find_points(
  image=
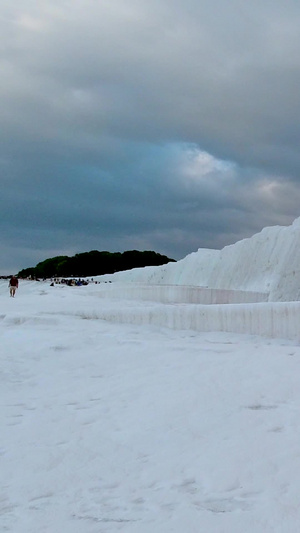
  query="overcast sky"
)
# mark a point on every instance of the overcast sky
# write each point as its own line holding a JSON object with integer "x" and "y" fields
{"x": 166, "y": 125}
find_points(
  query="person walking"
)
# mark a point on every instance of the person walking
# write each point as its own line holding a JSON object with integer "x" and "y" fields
{"x": 13, "y": 285}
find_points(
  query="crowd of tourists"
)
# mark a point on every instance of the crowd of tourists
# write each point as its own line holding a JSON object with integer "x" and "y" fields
{"x": 71, "y": 282}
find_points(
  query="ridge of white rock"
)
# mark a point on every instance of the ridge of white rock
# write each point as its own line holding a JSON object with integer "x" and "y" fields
{"x": 268, "y": 261}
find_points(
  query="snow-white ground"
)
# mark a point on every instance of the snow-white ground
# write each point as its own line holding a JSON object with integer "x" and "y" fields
{"x": 110, "y": 427}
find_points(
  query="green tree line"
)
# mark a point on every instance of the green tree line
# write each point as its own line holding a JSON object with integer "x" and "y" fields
{"x": 93, "y": 263}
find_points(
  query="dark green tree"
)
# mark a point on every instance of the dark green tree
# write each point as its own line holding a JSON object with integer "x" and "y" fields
{"x": 93, "y": 263}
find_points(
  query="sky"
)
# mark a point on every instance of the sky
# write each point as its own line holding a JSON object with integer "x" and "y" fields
{"x": 167, "y": 125}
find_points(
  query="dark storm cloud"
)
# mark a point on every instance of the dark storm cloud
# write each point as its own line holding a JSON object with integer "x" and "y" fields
{"x": 167, "y": 125}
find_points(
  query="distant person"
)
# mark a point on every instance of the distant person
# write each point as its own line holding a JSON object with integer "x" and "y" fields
{"x": 13, "y": 285}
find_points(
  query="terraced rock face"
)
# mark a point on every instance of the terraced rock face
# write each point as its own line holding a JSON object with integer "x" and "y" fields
{"x": 267, "y": 262}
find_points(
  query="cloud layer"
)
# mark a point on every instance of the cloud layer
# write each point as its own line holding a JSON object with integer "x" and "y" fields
{"x": 167, "y": 125}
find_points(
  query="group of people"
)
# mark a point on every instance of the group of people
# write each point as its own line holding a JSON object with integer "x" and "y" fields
{"x": 68, "y": 281}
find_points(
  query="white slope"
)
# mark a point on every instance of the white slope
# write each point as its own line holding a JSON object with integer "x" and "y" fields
{"x": 138, "y": 429}
{"x": 267, "y": 262}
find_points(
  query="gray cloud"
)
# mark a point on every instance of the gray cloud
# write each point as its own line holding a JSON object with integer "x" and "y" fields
{"x": 163, "y": 125}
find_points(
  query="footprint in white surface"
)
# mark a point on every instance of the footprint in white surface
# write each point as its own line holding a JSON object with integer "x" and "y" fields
{"x": 14, "y": 420}
{"x": 15, "y": 413}
{"x": 188, "y": 485}
{"x": 138, "y": 501}
{"x": 242, "y": 501}
{"x": 6, "y": 506}
{"x": 59, "y": 348}
{"x": 40, "y": 501}
{"x": 42, "y": 496}
{"x": 260, "y": 407}
{"x": 223, "y": 505}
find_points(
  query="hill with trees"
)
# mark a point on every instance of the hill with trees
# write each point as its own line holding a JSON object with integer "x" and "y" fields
{"x": 93, "y": 263}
